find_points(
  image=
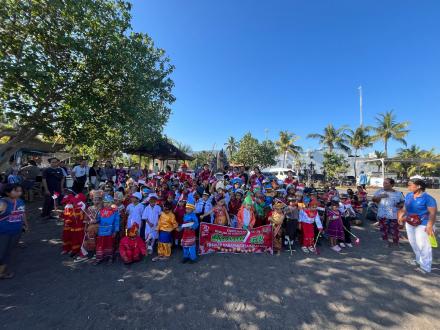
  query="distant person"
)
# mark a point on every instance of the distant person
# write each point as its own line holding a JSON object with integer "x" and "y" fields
{"x": 419, "y": 213}
{"x": 79, "y": 175}
{"x": 363, "y": 179}
{"x": 135, "y": 173}
{"x": 30, "y": 173}
{"x": 94, "y": 174}
{"x": 121, "y": 175}
{"x": 388, "y": 202}
{"x": 108, "y": 172}
{"x": 53, "y": 182}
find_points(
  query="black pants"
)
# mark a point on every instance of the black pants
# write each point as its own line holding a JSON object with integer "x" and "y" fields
{"x": 142, "y": 230}
{"x": 7, "y": 244}
{"x": 78, "y": 184}
{"x": 48, "y": 204}
{"x": 292, "y": 229}
{"x": 347, "y": 225}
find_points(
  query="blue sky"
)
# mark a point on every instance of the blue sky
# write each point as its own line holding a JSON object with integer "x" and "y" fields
{"x": 244, "y": 65}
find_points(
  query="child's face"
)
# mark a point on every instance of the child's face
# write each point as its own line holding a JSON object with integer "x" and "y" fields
{"x": 97, "y": 201}
{"x": 334, "y": 207}
{"x": 167, "y": 211}
{"x": 205, "y": 197}
{"x": 238, "y": 197}
{"x": 152, "y": 202}
{"x": 107, "y": 204}
{"x": 248, "y": 206}
{"x": 221, "y": 202}
{"x": 134, "y": 200}
{"x": 16, "y": 193}
{"x": 170, "y": 198}
{"x": 187, "y": 210}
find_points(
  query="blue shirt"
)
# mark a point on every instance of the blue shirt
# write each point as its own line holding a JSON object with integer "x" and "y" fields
{"x": 108, "y": 222}
{"x": 11, "y": 220}
{"x": 363, "y": 179}
{"x": 419, "y": 206}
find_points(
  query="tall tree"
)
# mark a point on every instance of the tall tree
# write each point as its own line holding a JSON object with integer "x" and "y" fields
{"x": 334, "y": 165}
{"x": 286, "y": 145}
{"x": 253, "y": 153}
{"x": 76, "y": 69}
{"x": 332, "y": 138}
{"x": 359, "y": 139}
{"x": 231, "y": 146}
{"x": 388, "y": 128}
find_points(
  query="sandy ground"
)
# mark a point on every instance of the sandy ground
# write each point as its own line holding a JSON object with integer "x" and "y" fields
{"x": 367, "y": 287}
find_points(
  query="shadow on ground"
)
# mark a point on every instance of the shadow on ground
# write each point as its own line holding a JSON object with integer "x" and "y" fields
{"x": 369, "y": 286}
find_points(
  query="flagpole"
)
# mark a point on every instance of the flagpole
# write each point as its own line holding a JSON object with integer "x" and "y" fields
{"x": 360, "y": 106}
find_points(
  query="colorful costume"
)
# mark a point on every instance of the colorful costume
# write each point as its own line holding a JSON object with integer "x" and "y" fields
{"x": 307, "y": 218}
{"x": 246, "y": 216}
{"x": 132, "y": 248}
{"x": 276, "y": 218}
{"x": 189, "y": 233}
{"x": 108, "y": 219}
{"x": 73, "y": 216}
{"x": 220, "y": 215}
{"x": 167, "y": 224}
{"x": 335, "y": 228}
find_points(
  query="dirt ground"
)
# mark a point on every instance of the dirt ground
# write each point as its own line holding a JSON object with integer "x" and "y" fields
{"x": 367, "y": 287}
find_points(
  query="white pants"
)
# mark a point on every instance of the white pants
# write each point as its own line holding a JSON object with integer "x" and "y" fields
{"x": 421, "y": 246}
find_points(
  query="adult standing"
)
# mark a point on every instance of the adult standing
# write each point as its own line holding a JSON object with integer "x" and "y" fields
{"x": 121, "y": 176}
{"x": 420, "y": 209}
{"x": 363, "y": 179}
{"x": 135, "y": 173}
{"x": 388, "y": 202}
{"x": 30, "y": 173}
{"x": 94, "y": 175}
{"x": 53, "y": 182}
{"x": 79, "y": 175}
{"x": 109, "y": 172}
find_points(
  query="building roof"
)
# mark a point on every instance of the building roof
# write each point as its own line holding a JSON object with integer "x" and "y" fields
{"x": 162, "y": 150}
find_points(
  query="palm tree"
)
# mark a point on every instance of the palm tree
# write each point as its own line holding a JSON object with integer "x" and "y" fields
{"x": 231, "y": 146}
{"x": 333, "y": 138}
{"x": 379, "y": 154}
{"x": 389, "y": 129}
{"x": 286, "y": 145}
{"x": 359, "y": 139}
{"x": 412, "y": 152}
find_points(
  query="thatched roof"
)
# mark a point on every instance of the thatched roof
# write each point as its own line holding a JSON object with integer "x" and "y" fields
{"x": 162, "y": 150}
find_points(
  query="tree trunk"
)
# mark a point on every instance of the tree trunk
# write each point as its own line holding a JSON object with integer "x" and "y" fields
{"x": 354, "y": 165}
{"x": 284, "y": 159}
{"x": 386, "y": 148}
{"x": 18, "y": 141}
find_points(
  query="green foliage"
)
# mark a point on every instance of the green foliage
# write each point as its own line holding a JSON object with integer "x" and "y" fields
{"x": 335, "y": 165}
{"x": 200, "y": 158}
{"x": 76, "y": 69}
{"x": 389, "y": 129}
{"x": 231, "y": 146}
{"x": 286, "y": 144}
{"x": 253, "y": 153}
{"x": 408, "y": 169}
{"x": 332, "y": 138}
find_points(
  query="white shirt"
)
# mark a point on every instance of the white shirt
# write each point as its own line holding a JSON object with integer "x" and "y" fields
{"x": 134, "y": 214}
{"x": 246, "y": 217}
{"x": 303, "y": 217}
{"x": 152, "y": 215}
{"x": 80, "y": 171}
{"x": 387, "y": 207}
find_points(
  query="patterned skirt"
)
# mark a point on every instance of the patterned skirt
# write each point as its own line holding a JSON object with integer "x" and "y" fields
{"x": 104, "y": 247}
{"x": 335, "y": 229}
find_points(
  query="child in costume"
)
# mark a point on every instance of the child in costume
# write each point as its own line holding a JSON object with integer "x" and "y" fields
{"x": 108, "y": 219}
{"x": 179, "y": 212}
{"x": 246, "y": 216}
{"x": 189, "y": 232}
{"x": 335, "y": 229}
{"x": 292, "y": 214}
{"x": 135, "y": 210}
{"x": 307, "y": 218}
{"x": 203, "y": 206}
{"x": 73, "y": 216}
{"x": 348, "y": 214}
{"x": 221, "y": 215}
{"x": 276, "y": 218}
{"x": 132, "y": 248}
{"x": 91, "y": 229}
{"x": 150, "y": 218}
{"x": 167, "y": 224}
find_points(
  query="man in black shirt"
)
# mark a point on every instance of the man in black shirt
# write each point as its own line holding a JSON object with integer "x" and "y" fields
{"x": 53, "y": 182}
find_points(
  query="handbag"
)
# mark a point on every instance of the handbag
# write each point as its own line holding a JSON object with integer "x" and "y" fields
{"x": 413, "y": 219}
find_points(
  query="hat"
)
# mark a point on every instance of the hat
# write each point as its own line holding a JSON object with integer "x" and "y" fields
{"x": 239, "y": 191}
{"x": 279, "y": 204}
{"x": 229, "y": 187}
{"x": 152, "y": 195}
{"x": 133, "y": 230}
{"x": 97, "y": 194}
{"x": 137, "y": 195}
{"x": 108, "y": 199}
{"x": 220, "y": 185}
{"x": 190, "y": 204}
{"x": 81, "y": 198}
{"x": 313, "y": 202}
{"x": 205, "y": 193}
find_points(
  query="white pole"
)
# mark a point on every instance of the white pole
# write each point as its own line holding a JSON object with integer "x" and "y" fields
{"x": 360, "y": 105}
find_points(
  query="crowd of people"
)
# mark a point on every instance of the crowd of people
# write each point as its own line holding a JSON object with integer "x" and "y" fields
{"x": 111, "y": 213}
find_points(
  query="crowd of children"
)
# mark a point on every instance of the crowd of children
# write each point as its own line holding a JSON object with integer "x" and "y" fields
{"x": 151, "y": 215}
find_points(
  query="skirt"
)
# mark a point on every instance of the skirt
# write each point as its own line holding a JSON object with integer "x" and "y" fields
{"x": 335, "y": 229}
{"x": 104, "y": 247}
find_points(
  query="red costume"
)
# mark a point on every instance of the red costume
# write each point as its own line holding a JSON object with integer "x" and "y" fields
{"x": 132, "y": 248}
{"x": 73, "y": 216}
{"x": 234, "y": 206}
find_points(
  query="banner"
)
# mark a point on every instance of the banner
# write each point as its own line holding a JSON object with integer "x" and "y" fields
{"x": 215, "y": 238}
